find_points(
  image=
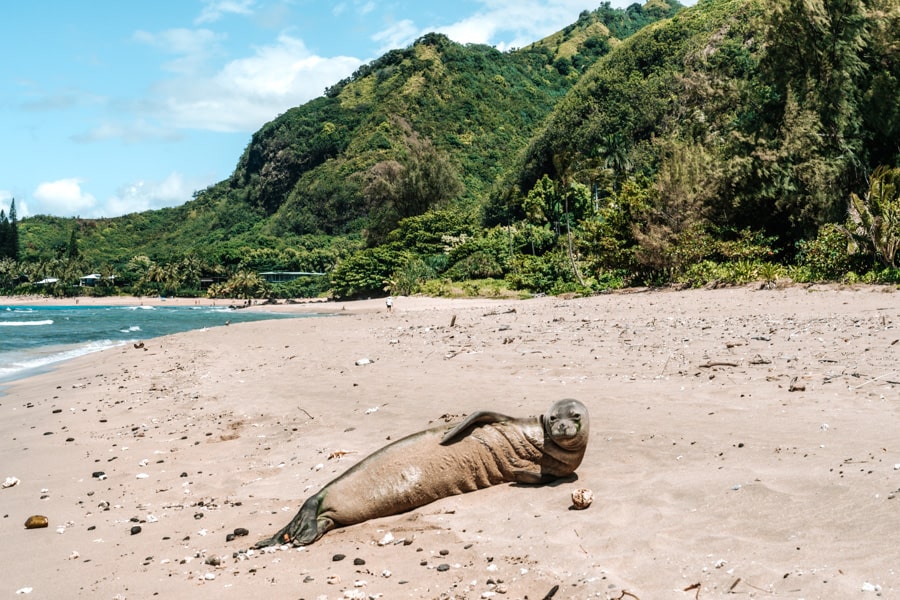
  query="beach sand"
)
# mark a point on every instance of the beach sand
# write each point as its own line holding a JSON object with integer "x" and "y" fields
{"x": 744, "y": 443}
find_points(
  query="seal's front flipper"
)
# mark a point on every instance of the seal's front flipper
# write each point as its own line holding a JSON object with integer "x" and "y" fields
{"x": 482, "y": 417}
{"x": 532, "y": 477}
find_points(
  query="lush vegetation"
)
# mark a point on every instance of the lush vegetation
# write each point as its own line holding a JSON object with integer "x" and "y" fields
{"x": 9, "y": 233}
{"x": 734, "y": 141}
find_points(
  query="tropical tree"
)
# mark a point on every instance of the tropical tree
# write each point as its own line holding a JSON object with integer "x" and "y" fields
{"x": 9, "y": 233}
{"x": 876, "y": 216}
{"x": 397, "y": 189}
{"x": 613, "y": 154}
{"x": 243, "y": 284}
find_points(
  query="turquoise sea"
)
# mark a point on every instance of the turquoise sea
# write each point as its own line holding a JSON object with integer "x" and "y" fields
{"x": 34, "y": 338}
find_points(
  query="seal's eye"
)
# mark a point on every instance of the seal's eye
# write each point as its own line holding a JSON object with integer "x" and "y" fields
{"x": 553, "y": 418}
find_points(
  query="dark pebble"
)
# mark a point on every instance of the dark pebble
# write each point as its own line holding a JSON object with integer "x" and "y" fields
{"x": 92, "y": 527}
{"x": 229, "y": 537}
{"x": 443, "y": 567}
{"x": 423, "y": 563}
{"x": 358, "y": 562}
{"x": 241, "y": 532}
{"x": 308, "y": 579}
{"x": 70, "y": 439}
{"x": 135, "y": 530}
{"x": 444, "y": 552}
{"x": 198, "y": 516}
{"x": 338, "y": 557}
{"x": 97, "y": 474}
{"x": 183, "y": 475}
{"x": 56, "y": 411}
{"x": 48, "y": 433}
{"x": 467, "y": 546}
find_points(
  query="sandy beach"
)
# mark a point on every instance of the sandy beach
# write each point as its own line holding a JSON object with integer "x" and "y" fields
{"x": 744, "y": 443}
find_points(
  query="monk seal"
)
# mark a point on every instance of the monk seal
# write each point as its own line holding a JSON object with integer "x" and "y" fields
{"x": 485, "y": 449}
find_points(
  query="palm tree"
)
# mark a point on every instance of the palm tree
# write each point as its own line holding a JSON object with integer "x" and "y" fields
{"x": 613, "y": 152}
{"x": 877, "y": 216}
{"x": 192, "y": 267}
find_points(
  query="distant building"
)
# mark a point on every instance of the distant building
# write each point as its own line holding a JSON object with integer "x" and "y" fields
{"x": 93, "y": 279}
{"x": 285, "y": 276}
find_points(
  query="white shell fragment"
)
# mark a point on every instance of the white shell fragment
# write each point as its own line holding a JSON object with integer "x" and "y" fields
{"x": 582, "y": 498}
{"x": 387, "y": 539}
{"x": 10, "y": 481}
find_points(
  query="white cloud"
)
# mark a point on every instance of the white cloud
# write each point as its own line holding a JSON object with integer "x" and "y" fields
{"x": 213, "y": 10}
{"x": 130, "y": 133}
{"x": 6, "y": 198}
{"x": 66, "y": 198}
{"x": 399, "y": 35}
{"x": 63, "y": 197}
{"x": 361, "y": 7}
{"x": 193, "y": 47}
{"x": 248, "y": 92}
{"x": 502, "y": 23}
{"x": 140, "y": 196}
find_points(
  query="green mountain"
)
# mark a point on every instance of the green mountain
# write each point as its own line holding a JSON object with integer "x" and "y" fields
{"x": 739, "y": 114}
{"x": 305, "y": 173}
{"x": 655, "y": 144}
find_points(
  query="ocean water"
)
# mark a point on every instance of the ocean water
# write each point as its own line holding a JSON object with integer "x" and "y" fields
{"x": 35, "y": 338}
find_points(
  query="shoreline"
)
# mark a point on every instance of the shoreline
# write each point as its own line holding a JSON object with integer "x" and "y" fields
{"x": 725, "y": 452}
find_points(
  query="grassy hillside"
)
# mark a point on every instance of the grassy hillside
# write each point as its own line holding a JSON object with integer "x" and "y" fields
{"x": 305, "y": 173}
{"x": 734, "y": 120}
{"x": 732, "y": 141}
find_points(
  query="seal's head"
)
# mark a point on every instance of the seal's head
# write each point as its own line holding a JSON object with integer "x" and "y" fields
{"x": 567, "y": 423}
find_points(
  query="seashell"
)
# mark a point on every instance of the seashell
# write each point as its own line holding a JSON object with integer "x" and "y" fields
{"x": 36, "y": 522}
{"x": 10, "y": 481}
{"x": 582, "y": 498}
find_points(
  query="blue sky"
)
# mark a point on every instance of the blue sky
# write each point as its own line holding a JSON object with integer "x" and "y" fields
{"x": 110, "y": 107}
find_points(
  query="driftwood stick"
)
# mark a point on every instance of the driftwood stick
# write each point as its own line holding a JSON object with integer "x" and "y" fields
{"x": 717, "y": 364}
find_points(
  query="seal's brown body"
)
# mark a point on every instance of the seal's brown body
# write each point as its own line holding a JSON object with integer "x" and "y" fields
{"x": 485, "y": 450}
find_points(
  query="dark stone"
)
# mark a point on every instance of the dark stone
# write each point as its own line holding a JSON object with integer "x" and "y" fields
{"x": 97, "y": 474}
{"x": 229, "y": 537}
{"x": 444, "y": 552}
{"x": 338, "y": 557}
{"x": 358, "y": 562}
{"x": 241, "y": 532}
{"x": 443, "y": 567}
{"x": 135, "y": 530}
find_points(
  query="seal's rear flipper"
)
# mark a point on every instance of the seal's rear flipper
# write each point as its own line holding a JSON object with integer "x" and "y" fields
{"x": 305, "y": 528}
{"x": 482, "y": 417}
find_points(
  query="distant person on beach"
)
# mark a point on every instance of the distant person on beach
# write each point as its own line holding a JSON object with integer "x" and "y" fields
{"x": 390, "y": 303}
